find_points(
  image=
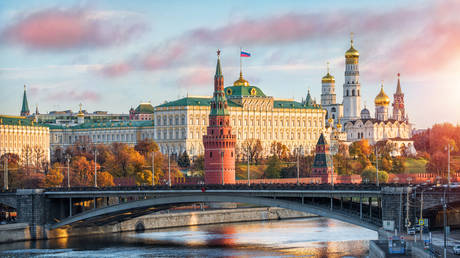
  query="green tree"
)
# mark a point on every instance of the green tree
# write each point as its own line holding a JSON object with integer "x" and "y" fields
{"x": 273, "y": 167}
{"x": 369, "y": 174}
{"x": 184, "y": 160}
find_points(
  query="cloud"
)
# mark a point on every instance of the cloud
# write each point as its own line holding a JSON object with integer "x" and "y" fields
{"x": 115, "y": 70}
{"x": 61, "y": 29}
{"x": 197, "y": 77}
{"x": 73, "y": 95}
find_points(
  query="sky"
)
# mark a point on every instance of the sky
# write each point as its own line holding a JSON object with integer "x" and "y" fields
{"x": 112, "y": 55}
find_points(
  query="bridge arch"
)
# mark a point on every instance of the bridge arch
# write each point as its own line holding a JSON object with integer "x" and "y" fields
{"x": 207, "y": 197}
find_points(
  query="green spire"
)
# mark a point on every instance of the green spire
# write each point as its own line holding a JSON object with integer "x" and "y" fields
{"x": 25, "y": 106}
{"x": 218, "y": 68}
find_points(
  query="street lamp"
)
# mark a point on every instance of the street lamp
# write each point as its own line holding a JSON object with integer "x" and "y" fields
{"x": 222, "y": 158}
{"x": 68, "y": 156}
{"x": 448, "y": 148}
{"x": 95, "y": 167}
{"x": 169, "y": 168}
{"x": 153, "y": 168}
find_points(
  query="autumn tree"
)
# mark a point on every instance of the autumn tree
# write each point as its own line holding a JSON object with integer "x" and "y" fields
{"x": 144, "y": 177}
{"x": 54, "y": 177}
{"x": 252, "y": 150}
{"x": 124, "y": 161}
{"x": 280, "y": 150}
{"x": 104, "y": 178}
{"x": 369, "y": 174}
{"x": 82, "y": 172}
{"x": 146, "y": 147}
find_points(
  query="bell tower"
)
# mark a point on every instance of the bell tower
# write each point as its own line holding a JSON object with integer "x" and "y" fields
{"x": 398, "y": 104}
{"x": 219, "y": 142}
{"x": 352, "y": 86}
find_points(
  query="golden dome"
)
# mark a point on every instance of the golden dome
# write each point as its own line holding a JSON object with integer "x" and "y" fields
{"x": 382, "y": 99}
{"x": 328, "y": 78}
{"x": 338, "y": 125}
{"x": 330, "y": 120}
{"x": 352, "y": 52}
{"x": 80, "y": 113}
{"x": 241, "y": 81}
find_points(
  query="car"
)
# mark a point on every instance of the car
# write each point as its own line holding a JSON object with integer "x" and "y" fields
{"x": 456, "y": 249}
{"x": 411, "y": 231}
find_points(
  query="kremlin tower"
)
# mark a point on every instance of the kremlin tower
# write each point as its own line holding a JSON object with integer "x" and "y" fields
{"x": 219, "y": 142}
{"x": 328, "y": 95}
{"x": 322, "y": 166}
{"x": 398, "y": 104}
{"x": 352, "y": 86}
{"x": 25, "y": 105}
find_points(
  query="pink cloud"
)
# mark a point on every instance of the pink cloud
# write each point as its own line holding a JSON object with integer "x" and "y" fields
{"x": 199, "y": 77}
{"x": 115, "y": 70}
{"x": 74, "y": 95}
{"x": 60, "y": 29}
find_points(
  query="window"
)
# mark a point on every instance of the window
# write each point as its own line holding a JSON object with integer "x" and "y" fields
{"x": 347, "y": 93}
{"x": 210, "y": 154}
{"x": 333, "y": 109}
{"x": 353, "y": 92}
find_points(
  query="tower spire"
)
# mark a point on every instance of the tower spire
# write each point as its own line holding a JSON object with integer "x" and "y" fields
{"x": 25, "y": 105}
{"x": 398, "y": 87}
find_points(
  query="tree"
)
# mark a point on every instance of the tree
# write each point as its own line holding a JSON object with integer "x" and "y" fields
{"x": 198, "y": 163}
{"x": 144, "y": 177}
{"x": 273, "y": 167}
{"x": 369, "y": 174}
{"x": 280, "y": 150}
{"x": 124, "y": 161}
{"x": 360, "y": 149}
{"x": 104, "y": 179}
{"x": 184, "y": 160}
{"x": 253, "y": 148}
{"x": 82, "y": 172}
{"x": 146, "y": 146}
{"x": 54, "y": 177}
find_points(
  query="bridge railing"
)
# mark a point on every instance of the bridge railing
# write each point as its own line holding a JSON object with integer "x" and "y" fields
{"x": 361, "y": 187}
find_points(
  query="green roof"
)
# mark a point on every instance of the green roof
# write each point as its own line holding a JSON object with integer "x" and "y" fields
{"x": 238, "y": 91}
{"x": 144, "y": 123}
{"x": 16, "y": 120}
{"x": 193, "y": 101}
{"x": 293, "y": 104}
{"x": 144, "y": 108}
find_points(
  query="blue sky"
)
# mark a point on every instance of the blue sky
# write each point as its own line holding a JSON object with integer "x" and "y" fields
{"x": 111, "y": 55}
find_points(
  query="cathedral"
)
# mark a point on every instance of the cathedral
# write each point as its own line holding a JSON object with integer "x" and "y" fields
{"x": 359, "y": 124}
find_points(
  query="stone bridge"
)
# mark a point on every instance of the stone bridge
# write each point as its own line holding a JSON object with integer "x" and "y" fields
{"x": 364, "y": 205}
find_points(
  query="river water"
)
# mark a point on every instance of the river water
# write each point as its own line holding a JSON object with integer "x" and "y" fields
{"x": 312, "y": 237}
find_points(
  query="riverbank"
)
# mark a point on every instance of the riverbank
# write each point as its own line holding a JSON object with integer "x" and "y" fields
{"x": 22, "y": 231}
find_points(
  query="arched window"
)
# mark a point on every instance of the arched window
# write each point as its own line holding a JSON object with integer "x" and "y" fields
{"x": 358, "y": 92}
{"x": 353, "y": 92}
{"x": 210, "y": 154}
{"x": 333, "y": 109}
{"x": 348, "y": 93}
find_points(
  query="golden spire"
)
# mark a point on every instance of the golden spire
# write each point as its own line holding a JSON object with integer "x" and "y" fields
{"x": 80, "y": 113}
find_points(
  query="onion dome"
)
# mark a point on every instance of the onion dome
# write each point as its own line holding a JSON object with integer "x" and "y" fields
{"x": 328, "y": 78}
{"x": 382, "y": 99}
{"x": 338, "y": 125}
{"x": 241, "y": 81}
{"x": 330, "y": 120}
{"x": 352, "y": 52}
{"x": 365, "y": 114}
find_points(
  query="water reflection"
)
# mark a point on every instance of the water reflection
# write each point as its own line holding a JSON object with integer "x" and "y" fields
{"x": 317, "y": 237}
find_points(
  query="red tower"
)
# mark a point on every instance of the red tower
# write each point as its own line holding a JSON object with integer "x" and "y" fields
{"x": 398, "y": 104}
{"x": 322, "y": 166}
{"x": 219, "y": 142}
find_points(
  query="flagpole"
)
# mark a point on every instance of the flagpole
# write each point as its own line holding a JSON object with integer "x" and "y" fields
{"x": 241, "y": 63}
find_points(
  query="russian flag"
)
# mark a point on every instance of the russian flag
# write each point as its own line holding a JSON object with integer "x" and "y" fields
{"x": 245, "y": 54}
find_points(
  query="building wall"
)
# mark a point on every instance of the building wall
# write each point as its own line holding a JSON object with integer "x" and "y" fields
{"x": 105, "y": 135}
{"x": 377, "y": 131}
{"x": 15, "y": 138}
{"x": 181, "y": 128}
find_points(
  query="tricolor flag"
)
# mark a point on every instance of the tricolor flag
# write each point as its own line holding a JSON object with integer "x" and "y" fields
{"x": 245, "y": 54}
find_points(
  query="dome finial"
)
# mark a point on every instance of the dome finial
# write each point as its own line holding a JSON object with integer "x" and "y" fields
{"x": 327, "y": 64}
{"x": 351, "y": 38}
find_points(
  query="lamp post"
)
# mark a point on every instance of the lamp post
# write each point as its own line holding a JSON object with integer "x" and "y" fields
{"x": 299, "y": 152}
{"x": 5, "y": 177}
{"x": 448, "y": 148}
{"x": 153, "y": 168}
{"x": 222, "y": 159}
{"x": 377, "y": 166}
{"x": 444, "y": 209}
{"x": 249, "y": 175}
{"x": 68, "y": 169}
{"x": 95, "y": 167}
{"x": 169, "y": 168}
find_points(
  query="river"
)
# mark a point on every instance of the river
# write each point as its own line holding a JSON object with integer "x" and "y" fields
{"x": 314, "y": 237}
